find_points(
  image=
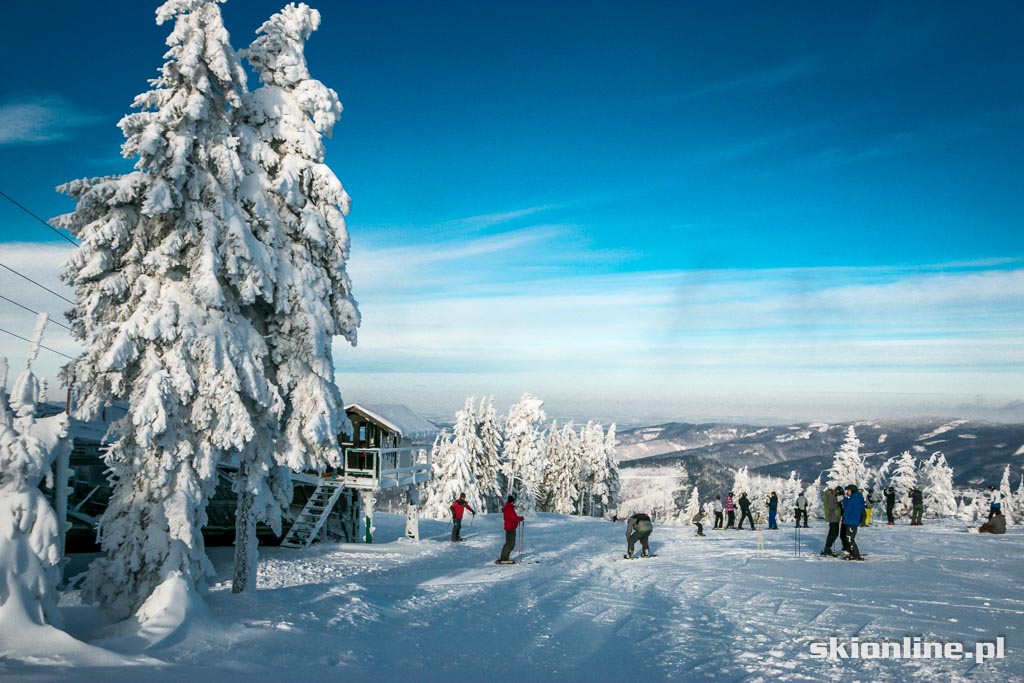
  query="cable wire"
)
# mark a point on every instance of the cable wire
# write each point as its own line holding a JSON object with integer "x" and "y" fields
{"x": 37, "y": 284}
{"x": 49, "y": 318}
{"x": 40, "y": 346}
{"x": 12, "y": 200}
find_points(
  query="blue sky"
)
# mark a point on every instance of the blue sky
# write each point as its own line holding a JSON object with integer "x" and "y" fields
{"x": 673, "y": 210}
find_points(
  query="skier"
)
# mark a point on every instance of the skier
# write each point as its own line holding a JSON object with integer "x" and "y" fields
{"x": 638, "y": 528}
{"x": 698, "y": 519}
{"x": 869, "y": 503}
{"x": 773, "y": 510}
{"x": 458, "y": 509}
{"x": 833, "y": 514}
{"x": 717, "y": 507}
{"x": 995, "y": 501}
{"x": 745, "y": 511}
{"x": 801, "y": 510}
{"x": 512, "y": 520}
{"x": 853, "y": 509}
{"x": 996, "y": 524}
{"x": 730, "y": 511}
{"x": 890, "y": 503}
{"x": 917, "y": 500}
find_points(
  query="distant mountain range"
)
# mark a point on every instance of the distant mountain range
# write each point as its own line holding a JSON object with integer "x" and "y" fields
{"x": 977, "y": 451}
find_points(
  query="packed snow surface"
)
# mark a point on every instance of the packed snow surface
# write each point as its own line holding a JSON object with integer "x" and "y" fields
{"x": 710, "y": 608}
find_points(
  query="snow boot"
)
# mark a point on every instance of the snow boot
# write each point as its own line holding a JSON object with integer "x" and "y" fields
{"x": 504, "y": 562}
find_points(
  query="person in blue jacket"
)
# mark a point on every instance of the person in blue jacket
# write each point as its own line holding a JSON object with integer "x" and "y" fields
{"x": 853, "y": 508}
{"x": 773, "y": 510}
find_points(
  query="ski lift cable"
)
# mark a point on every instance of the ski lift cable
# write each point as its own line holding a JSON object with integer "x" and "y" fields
{"x": 40, "y": 346}
{"x": 49, "y": 317}
{"x": 25, "y": 277}
{"x": 12, "y": 200}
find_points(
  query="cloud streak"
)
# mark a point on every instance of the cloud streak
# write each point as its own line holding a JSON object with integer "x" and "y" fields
{"x": 41, "y": 121}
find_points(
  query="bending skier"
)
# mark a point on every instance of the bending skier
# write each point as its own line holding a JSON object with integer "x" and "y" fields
{"x": 745, "y": 511}
{"x": 638, "y": 528}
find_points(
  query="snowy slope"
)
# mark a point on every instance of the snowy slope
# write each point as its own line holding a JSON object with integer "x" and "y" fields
{"x": 704, "y": 609}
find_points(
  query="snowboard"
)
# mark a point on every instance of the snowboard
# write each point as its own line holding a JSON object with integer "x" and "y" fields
{"x": 638, "y": 557}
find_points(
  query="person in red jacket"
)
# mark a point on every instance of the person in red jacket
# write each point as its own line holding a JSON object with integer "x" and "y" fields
{"x": 459, "y": 508}
{"x": 512, "y": 521}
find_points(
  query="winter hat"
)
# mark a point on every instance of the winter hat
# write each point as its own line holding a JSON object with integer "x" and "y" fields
{"x": 839, "y": 489}
{"x": 851, "y": 487}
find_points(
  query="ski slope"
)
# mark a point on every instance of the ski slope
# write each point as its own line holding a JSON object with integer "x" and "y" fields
{"x": 710, "y": 608}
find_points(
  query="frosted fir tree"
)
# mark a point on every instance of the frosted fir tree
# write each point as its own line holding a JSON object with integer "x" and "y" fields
{"x": 741, "y": 484}
{"x": 1009, "y": 505}
{"x": 523, "y": 458}
{"x": 848, "y": 465}
{"x": 813, "y": 494}
{"x": 788, "y": 494}
{"x": 594, "y": 471}
{"x": 452, "y": 474}
{"x": 1018, "y": 499}
{"x": 904, "y": 478}
{"x": 165, "y": 278}
{"x": 883, "y": 475}
{"x": 487, "y": 466}
{"x": 30, "y": 545}
{"x": 297, "y": 208}
{"x": 467, "y": 442}
{"x": 692, "y": 506}
{"x": 939, "y": 500}
{"x": 560, "y": 475}
{"x": 613, "y": 482}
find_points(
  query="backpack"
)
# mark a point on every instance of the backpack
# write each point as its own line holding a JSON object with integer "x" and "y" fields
{"x": 642, "y": 517}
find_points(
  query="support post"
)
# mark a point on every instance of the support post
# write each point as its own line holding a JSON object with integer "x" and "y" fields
{"x": 412, "y": 514}
{"x": 368, "y": 500}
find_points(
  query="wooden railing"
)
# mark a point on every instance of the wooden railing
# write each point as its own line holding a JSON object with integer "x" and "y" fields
{"x": 383, "y": 468}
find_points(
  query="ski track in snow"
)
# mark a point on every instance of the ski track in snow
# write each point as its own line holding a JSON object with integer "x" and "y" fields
{"x": 705, "y": 609}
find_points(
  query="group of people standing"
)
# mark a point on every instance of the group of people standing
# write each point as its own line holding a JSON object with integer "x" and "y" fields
{"x": 845, "y": 510}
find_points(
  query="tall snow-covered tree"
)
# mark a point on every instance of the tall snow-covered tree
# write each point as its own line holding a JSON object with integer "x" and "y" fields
{"x": 904, "y": 478}
{"x": 452, "y": 474}
{"x": 939, "y": 500}
{"x": 692, "y": 506}
{"x": 613, "y": 483}
{"x": 595, "y": 470}
{"x": 813, "y": 493}
{"x": 788, "y": 494}
{"x": 523, "y": 457}
{"x": 561, "y": 474}
{"x": 297, "y": 208}
{"x": 487, "y": 466}
{"x": 167, "y": 268}
{"x": 466, "y": 440}
{"x": 848, "y": 465}
{"x": 741, "y": 484}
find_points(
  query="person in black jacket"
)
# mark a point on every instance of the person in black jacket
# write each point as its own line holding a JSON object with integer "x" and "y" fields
{"x": 745, "y": 511}
{"x": 773, "y": 510}
{"x": 917, "y": 502}
{"x": 890, "y": 503}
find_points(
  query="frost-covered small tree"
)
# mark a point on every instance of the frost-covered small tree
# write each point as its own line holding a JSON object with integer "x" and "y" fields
{"x": 29, "y": 540}
{"x": 487, "y": 467}
{"x": 904, "y": 478}
{"x": 692, "y": 506}
{"x": 166, "y": 273}
{"x": 813, "y": 494}
{"x": 1009, "y": 505}
{"x": 594, "y": 493}
{"x": 452, "y": 474}
{"x": 848, "y": 465}
{"x": 939, "y": 500}
{"x": 791, "y": 489}
{"x": 741, "y": 484}
{"x": 296, "y": 207}
{"x": 883, "y": 475}
{"x": 613, "y": 482}
{"x": 467, "y": 442}
{"x": 561, "y": 476}
{"x": 523, "y": 457}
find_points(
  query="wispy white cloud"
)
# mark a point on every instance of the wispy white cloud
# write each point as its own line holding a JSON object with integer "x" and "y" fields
{"x": 46, "y": 119}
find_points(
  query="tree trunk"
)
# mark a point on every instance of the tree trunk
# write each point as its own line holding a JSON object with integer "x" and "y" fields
{"x": 245, "y": 540}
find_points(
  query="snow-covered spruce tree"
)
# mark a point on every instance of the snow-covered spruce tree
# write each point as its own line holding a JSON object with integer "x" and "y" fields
{"x": 791, "y": 489}
{"x": 813, "y": 494}
{"x": 467, "y": 442}
{"x": 296, "y": 207}
{"x": 452, "y": 474}
{"x": 1018, "y": 499}
{"x": 29, "y": 539}
{"x": 523, "y": 458}
{"x": 883, "y": 476}
{"x": 904, "y": 478}
{"x": 164, "y": 277}
{"x": 595, "y": 483}
{"x": 613, "y": 482}
{"x": 1009, "y": 505}
{"x": 487, "y": 467}
{"x": 740, "y": 485}
{"x": 939, "y": 500}
{"x": 555, "y": 485}
{"x": 692, "y": 506}
{"x": 848, "y": 465}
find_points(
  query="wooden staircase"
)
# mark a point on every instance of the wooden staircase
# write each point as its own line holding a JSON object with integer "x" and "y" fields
{"x": 314, "y": 515}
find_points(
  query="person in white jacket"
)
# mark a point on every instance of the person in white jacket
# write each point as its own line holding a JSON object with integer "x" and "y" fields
{"x": 801, "y": 510}
{"x": 717, "y": 508}
{"x": 995, "y": 501}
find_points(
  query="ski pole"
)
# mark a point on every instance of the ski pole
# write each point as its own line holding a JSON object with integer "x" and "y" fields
{"x": 522, "y": 537}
